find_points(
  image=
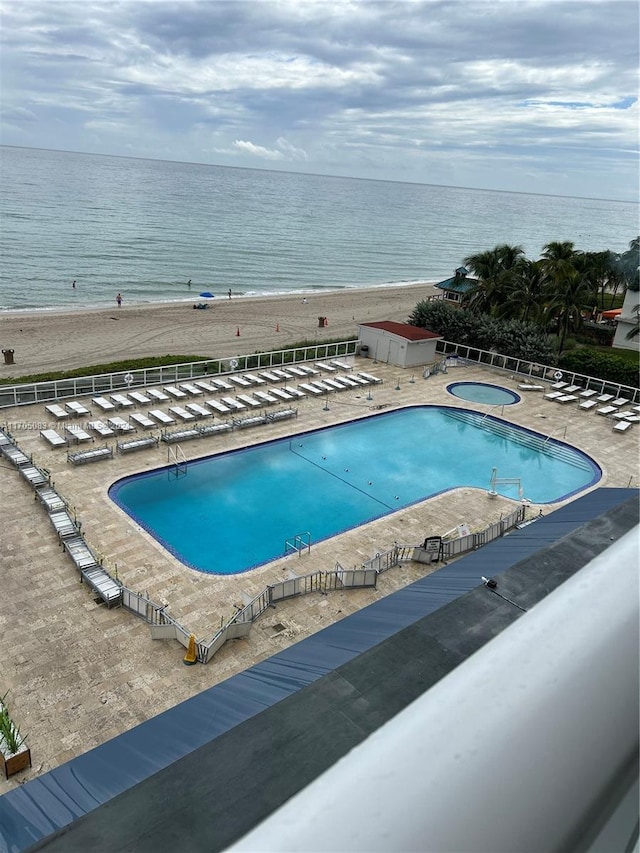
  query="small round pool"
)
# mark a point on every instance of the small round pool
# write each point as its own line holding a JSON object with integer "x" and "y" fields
{"x": 482, "y": 392}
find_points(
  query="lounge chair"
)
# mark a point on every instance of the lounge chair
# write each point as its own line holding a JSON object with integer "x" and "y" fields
{"x": 241, "y": 381}
{"x": 33, "y": 475}
{"x": 621, "y": 415}
{"x": 341, "y": 365}
{"x": 234, "y": 404}
{"x": 249, "y": 421}
{"x": 101, "y": 428}
{"x": 174, "y": 392}
{"x": 80, "y": 553}
{"x": 77, "y": 434}
{"x": 82, "y": 456}
{"x": 249, "y": 401}
{"x": 185, "y": 434}
{"x": 572, "y": 389}
{"x": 222, "y": 384}
{"x": 281, "y": 374}
{"x": 622, "y": 426}
{"x": 605, "y": 410}
{"x": 204, "y": 385}
{"x": 50, "y": 499}
{"x": 265, "y": 396}
{"x": 121, "y": 401}
{"x": 158, "y": 396}
{"x": 282, "y": 414}
{"x": 295, "y": 392}
{"x": 198, "y": 410}
{"x": 218, "y": 407}
{"x": 587, "y": 404}
{"x": 323, "y": 365}
{"x": 308, "y": 370}
{"x": 373, "y": 379}
{"x": 297, "y": 371}
{"x": 633, "y": 419}
{"x": 255, "y": 380}
{"x": 57, "y": 411}
{"x": 77, "y": 409}
{"x": 269, "y": 376}
{"x": 101, "y": 582}
{"x": 104, "y": 404}
{"x": 558, "y": 386}
{"x": 161, "y": 417}
{"x": 141, "y": 420}
{"x": 281, "y": 393}
{"x": 181, "y": 413}
{"x": 310, "y": 389}
{"x": 16, "y": 456}
{"x": 588, "y": 393}
{"x": 53, "y": 438}
{"x": 140, "y": 398}
{"x": 213, "y": 429}
{"x": 566, "y": 398}
{"x": 526, "y": 386}
{"x": 63, "y": 524}
{"x": 120, "y": 425}
{"x": 553, "y": 395}
{"x": 321, "y": 385}
{"x": 620, "y": 401}
{"x": 133, "y": 444}
{"x": 191, "y": 388}
{"x": 604, "y": 398}
{"x": 333, "y": 384}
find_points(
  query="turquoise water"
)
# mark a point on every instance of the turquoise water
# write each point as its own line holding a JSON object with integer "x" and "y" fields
{"x": 234, "y": 511}
{"x": 145, "y": 227}
{"x": 483, "y": 392}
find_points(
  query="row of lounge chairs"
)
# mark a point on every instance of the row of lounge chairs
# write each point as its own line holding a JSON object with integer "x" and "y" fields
{"x": 606, "y": 405}
{"x": 66, "y": 525}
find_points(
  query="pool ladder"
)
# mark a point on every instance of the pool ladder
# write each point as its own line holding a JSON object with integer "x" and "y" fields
{"x": 177, "y": 462}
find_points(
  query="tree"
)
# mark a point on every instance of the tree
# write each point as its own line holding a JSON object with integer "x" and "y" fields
{"x": 570, "y": 293}
{"x": 494, "y": 270}
{"x": 526, "y": 291}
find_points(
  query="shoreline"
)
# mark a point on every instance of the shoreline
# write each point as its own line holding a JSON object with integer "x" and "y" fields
{"x": 66, "y": 339}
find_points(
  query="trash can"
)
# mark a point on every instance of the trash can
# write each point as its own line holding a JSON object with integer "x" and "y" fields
{"x": 364, "y": 351}
{"x": 8, "y": 356}
{"x": 322, "y": 322}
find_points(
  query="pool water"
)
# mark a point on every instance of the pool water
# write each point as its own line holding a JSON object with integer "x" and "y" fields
{"x": 483, "y": 392}
{"x": 234, "y": 511}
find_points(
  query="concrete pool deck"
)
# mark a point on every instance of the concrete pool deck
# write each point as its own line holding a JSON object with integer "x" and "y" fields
{"x": 79, "y": 674}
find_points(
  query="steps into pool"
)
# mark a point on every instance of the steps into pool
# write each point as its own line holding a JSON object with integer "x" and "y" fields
{"x": 542, "y": 444}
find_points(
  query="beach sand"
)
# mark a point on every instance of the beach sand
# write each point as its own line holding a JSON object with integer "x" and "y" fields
{"x": 64, "y": 340}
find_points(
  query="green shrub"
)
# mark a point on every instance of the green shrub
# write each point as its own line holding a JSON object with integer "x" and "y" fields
{"x": 591, "y": 362}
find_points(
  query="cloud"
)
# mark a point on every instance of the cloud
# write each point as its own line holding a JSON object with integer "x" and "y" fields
{"x": 410, "y": 89}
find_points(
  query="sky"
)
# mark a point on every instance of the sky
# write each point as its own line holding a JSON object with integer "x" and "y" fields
{"x": 517, "y": 95}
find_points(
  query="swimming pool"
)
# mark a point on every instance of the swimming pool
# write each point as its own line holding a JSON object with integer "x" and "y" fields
{"x": 234, "y": 511}
{"x": 483, "y": 392}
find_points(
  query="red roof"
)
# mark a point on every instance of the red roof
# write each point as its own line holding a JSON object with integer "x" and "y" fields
{"x": 402, "y": 330}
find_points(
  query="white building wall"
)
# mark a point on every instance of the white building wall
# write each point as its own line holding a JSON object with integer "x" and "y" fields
{"x": 627, "y": 320}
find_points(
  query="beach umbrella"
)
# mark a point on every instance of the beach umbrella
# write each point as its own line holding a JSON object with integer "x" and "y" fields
{"x": 207, "y": 295}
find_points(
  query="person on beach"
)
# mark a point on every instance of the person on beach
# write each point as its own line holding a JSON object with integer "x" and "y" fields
{"x": 189, "y": 284}
{"x": 119, "y": 300}
{"x": 229, "y": 293}
{"x": 73, "y": 284}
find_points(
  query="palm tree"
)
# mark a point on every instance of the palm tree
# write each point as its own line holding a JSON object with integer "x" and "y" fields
{"x": 526, "y": 291}
{"x": 493, "y": 269}
{"x": 569, "y": 293}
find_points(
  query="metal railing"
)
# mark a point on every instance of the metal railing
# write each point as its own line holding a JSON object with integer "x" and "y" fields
{"x": 525, "y": 369}
{"x": 26, "y": 394}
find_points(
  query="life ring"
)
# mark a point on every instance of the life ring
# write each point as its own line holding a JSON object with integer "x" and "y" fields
{"x": 233, "y": 363}
{"x": 128, "y": 378}
{"x": 557, "y": 375}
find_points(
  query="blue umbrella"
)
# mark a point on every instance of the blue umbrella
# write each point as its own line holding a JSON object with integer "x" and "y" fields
{"x": 207, "y": 295}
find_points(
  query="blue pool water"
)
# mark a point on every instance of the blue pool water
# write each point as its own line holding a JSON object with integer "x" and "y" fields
{"x": 483, "y": 392}
{"x": 234, "y": 511}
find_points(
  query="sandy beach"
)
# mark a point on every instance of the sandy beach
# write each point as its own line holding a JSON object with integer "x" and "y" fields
{"x": 60, "y": 340}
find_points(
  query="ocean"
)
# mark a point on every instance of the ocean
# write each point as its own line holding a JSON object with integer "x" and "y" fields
{"x": 145, "y": 228}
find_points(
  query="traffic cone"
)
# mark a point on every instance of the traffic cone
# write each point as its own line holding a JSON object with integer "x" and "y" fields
{"x": 238, "y": 332}
{"x": 191, "y": 657}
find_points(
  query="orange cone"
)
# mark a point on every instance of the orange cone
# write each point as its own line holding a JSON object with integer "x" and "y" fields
{"x": 191, "y": 656}
{"x": 238, "y": 332}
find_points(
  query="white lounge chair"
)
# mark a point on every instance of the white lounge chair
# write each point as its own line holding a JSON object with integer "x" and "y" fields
{"x": 281, "y": 393}
{"x": 308, "y": 370}
{"x": 141, "y": 420}
{"x": 249, "y": 401}
{"x": 322, "y": 385}
{"x": 605, "y": 410}
{"x": 241, "y": 381}
{"x": 198, "y": 410}
{"x": 57, "y": 411}
{"x": 373, "y": 379}
{"x": 566, "y": 398}
{"x": 181, "y": 414}
{"x": 527, "y": 386}
{"x": 254, "y": 380}
{"x": 222, "y": 384}
{"x": 234, "y": 404}
{"x": 101, "y": 428}
{"x": 77, "y": 434}
{"x": 120, "y": 425}
{"x": 620, "y": 401}
{"x": 104, "y": 404}
{"x": 298, "y": 372}
{"x": 622, "y": 426}
{"x": 269, "y": 376}
{"x": 121, "y": 401}
{"x": 77, "y": 409}
{"x": 191, "y": 388}
{"x": 295, "y": 392}
{"x": 53, "y": 438}
{"x": 281, "y": 374}
{"x": 553, "y": 395}
{"x": 140, "y": 398}
{"x": 50, "y": 499}
{"x": 559, "y": 386}
{"x": 323, "y": 365}
{"x": 157, "y": 395}
{"x": 604, "y": 398}
{"x": 587, "y": 404}
{"x": 265, "y": 396}
{"x": 161, "y": 417}
{"x": 341, "y": 365}
{"x": 174, "y": 392}
{"x": 217, "y": 406}
{"x": 310, "y": 389}
{"x": 204, "y": 386}
{"x": 573, "y": 389}
{"x": 333, "y": 384}
{"x": 588, "y": 393}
